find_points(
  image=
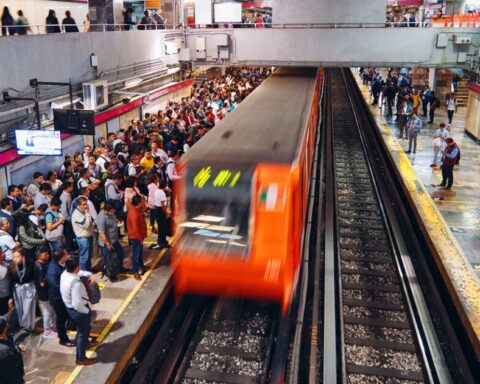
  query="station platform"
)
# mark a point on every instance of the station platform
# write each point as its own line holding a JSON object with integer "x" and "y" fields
{"x": 122, "y": 317}
{"x": 450, "y": 217}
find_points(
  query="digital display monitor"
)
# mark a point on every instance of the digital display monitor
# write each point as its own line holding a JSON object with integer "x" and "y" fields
{"x": 44, "y": 143}
{"x": 74, "y": 121}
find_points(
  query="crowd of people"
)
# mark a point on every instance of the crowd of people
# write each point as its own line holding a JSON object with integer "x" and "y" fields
{"x": 49, "y": 228}
{"x": 21, "y": 25}
{"x": 405, "y": 105}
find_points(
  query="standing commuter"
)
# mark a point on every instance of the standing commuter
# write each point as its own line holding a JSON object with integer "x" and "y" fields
{"x": 69, "y": 24}
{"x": 34, "y": 186}
{"x": 75, "y": 297}
{"x": 24, "y": 294}
{"x": 21, "y": 24}
{"x": 439, "y": 143}
{"x": 7, "y": 242}
{"x": 452, "y": 105}
{"x": 6, "y": 211}
{"x": 52, "y": 278}
{"x": 414, "y": 124}
{"x": 109, "y": 239}
{"x": 434, "y": 104}
{"x": 48, "y": 314}
{"x": 65, "y": 210}
{"x": 425, "y": 96}
{"x": 54, "y": 221}
{"x": 451, "y": 157}
{"x": 53, "y": 26}
{"x": 82, "y": 223}
{"x": 11, "y": 359}
{"x": 160, "y": 213}
{"x": 43, "y": 196}
{"x": 137, "y": 232}
{"x": 128, "y": 22}
{"x": 159, "y": 20}
{"x": 7, "y": 23}
{"x": 5, "y": 287}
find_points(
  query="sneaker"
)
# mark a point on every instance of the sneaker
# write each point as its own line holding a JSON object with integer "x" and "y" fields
{"x": 156, "y": 246}
{"x": 50, "y": 334}
{"x": 408, "y": 151}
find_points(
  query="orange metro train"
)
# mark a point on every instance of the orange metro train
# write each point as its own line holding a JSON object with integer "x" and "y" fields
{"x": 243, "y": 195}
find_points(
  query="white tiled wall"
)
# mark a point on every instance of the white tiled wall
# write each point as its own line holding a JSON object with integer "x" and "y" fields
{"x": 36, "y": 11}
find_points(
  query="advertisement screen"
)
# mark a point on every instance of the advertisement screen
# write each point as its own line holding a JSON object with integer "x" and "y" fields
{"x": 46, "y": 143}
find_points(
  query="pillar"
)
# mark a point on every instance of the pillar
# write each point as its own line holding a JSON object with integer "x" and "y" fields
{"x": 420, "y": 76}
{"x": 443, "y": 83}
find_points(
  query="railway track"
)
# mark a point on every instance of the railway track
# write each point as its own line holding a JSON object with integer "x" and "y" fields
{"x": 375, "y": 322}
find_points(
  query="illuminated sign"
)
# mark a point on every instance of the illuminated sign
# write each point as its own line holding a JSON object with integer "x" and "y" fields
{"x": 223, "y": 178}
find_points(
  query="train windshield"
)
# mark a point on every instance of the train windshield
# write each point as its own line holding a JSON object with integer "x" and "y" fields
{"x": 217, "y": 210}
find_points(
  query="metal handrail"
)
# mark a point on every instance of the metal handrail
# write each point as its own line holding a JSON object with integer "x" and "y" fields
{"x": 41, "y": 28}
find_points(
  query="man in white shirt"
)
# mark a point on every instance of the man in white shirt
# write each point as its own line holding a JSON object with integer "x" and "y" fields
{"x": 160, "y": 212}
{"x": 157, "y": 151}
{"x": 75, "y": 296}
{"x": 7, "y": 243}
{"x": 103, "y": 158}
{"x": 87, "y": 151}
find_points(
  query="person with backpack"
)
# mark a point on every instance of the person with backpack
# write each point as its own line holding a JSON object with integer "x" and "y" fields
{"x": 425, "y": 96}
{"x": 75, "y": 297}
{"x": 54, "y": 222}
{"x": 109, "y": 241}
{"x": 114, "y": 195}
{"x": 451, "y": 157}
{"x": 30, "y": 233}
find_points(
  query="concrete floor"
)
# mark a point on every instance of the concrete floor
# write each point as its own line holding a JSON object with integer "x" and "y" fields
{"x": 460, "y": 206}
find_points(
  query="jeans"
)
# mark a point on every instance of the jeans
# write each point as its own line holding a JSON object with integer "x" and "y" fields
{"x": 48, "y": 315}
{"x": 85, "y": 247}
{"x": 137, "y": 255}
{"x": 69, "y": 236}
{"x": 117, "y": 247}
{"x": 61, "y": 318}
{"x": 450, "y": 116}
{"x": 436, "y": 151}
{"x": 447, "y": 175}
{"x": 82, "y": 321}
{"x": 54, "y": 245}
{"x": 412, "y": 138}
{"x": 161, "y": 220}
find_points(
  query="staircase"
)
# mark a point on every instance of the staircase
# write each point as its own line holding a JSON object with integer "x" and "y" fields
{"x": 462, "y": 94}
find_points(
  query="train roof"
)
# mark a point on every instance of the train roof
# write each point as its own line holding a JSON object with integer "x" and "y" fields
{"x": 265, "y": 127}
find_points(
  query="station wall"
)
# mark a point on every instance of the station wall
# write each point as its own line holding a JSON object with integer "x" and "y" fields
{"x": 64, "y": 57}
{"x": 327, "y": 11}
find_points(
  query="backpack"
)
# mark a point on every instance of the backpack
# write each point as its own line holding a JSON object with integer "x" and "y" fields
{"x": 111, "y": 265}
{"x": 93, "y": 290}
{"x": 56, "y": 233}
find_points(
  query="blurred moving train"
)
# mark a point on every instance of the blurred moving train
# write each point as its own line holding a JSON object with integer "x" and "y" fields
{"x": 244, "y": 192}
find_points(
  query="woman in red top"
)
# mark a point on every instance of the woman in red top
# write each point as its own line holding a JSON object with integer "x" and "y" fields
{"x": 137, "y": 232}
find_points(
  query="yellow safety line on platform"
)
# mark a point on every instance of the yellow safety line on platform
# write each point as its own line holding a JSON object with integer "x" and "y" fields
{"x": 117, "y": 315}
{"x": 466, "y": 284}
{"x": 456, "y": 201}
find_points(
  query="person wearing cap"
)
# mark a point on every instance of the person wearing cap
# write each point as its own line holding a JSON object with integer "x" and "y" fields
{"x": 11, "y": 359}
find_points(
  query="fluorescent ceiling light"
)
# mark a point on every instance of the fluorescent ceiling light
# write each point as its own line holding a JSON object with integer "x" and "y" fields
{"x": 221, "y": 228}
{"x": 213, "y": 219}
{"x": 191, "y": 224}
{"x": 217, "y": 241}
{"x": 133, "y": 82}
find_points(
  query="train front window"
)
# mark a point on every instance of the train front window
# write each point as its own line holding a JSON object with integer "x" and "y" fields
{"x": 217, "y": 210}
